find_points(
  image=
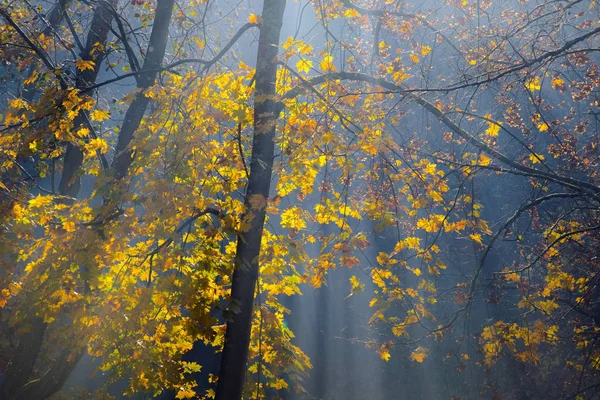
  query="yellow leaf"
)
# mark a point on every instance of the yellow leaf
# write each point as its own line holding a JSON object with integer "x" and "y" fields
{"x": 40, "y": 201}
{"x": 476, "y": 237}
{"x": 327, "y": 63}
{"x": 82, "y": 65}
{"x": 425, "y": 50}
{"x": 419, "y": 355}
{"x": 542, "y": 127}
{"x": 99, "y": 115}
{"x": 414, "y": 58}
{"x": 493, "y": 128}
{"x": 484, "y": 160}
{"x": 536, "y": 158}
{"x": 4, "y": 296}
{"x": 97, "y": 144}
{"x": 304, "y": 65}
{"x": 356, "y": 286}
{"x": 34, "y": 146}
{"x": 254, "y": 19}
{"x": 384, "y": 352}
{"x": 558, "y": 84}
{"x": 185, "y": 393}
{"x": 533, "y": 85}
{"x": 351, "y": 13}
{"x": 32, "y": 78}
{"x": 292, "y": 219}
{"x": 69, "y": 226}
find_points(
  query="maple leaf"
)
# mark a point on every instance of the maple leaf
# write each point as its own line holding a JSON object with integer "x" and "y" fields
{"x": 559, "y": 84}
{"x": 292, "y": 219}
{"x": 97, "y": 145}
{"x": 99, "y": 115}
{"x": 254, "y": 19}
{"x": 384, "y": 352}
{"x": 185, "y": 393}
{"x": 326, "y": 63}
{"x": 419, "y": 355}
{"x": 493, "y": 128}
{"x": 484, "y": 160}
{"x": 425, "y": 50}
{"x": 304, "y": 65}
{"x": 533, "y": 85}
{"x": 356, "y": 286}
{"x": 40, "y": 201}
{"x": 351, "y": 13}
{"x": 83, "y": 65}
{"x": 476, "y": 237}
{"x": 536, "y": 158}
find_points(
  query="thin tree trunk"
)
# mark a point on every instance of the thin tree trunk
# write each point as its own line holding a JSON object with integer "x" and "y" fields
{"x": 55, "y": 16}
{"x": 245, "y": 275}
{"x": 155, "y": 54}
{"x": 70, "y": 181}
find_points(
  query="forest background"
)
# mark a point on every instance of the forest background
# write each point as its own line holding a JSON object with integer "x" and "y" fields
{"x": 175, "y": 175}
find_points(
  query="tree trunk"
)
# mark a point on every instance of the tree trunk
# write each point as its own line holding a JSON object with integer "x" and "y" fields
{"x": 21, "y": 366}
{"x": 70, "y": 181}
{"x": 155, "y": 54}
{"x": 245, "y": 275}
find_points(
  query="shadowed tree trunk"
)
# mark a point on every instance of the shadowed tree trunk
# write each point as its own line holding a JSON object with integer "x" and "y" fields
{"x": 70, "y": 182}
{"x": 155, "y": 54}
{"x": 19, "y": 382}
{"x": 245, "y": 275}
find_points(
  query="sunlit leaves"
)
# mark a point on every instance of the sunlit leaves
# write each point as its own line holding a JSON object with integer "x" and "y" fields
{"x": 536, "y": 158}
{"x": 254, "y": 19}
{"x": 326, "y": 63}
{"x": 493, "y": 128}
{"x": 83, "y": 65}
{"x": 356, "y": 286}
{"x": 304, "y": 65}
{"x": 96, "y": 145}
{"x": 476, "y": 237}
{"x": 534, "y": 84}
{"x": 99, "y": 115}
{"x": 292, "y": 218}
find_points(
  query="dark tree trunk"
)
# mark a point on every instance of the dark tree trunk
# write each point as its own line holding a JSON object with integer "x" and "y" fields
{"x": 245, "y": 275}
{"x": 70, "y": 181}
{"x": 20, "y": 368}
{"x": 155, "y": 54}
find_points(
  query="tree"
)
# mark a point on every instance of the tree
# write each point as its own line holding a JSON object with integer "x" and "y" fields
{"x": 407, "y": 121}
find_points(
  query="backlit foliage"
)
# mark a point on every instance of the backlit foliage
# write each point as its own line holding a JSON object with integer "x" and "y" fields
{"x": 465, "y": 135}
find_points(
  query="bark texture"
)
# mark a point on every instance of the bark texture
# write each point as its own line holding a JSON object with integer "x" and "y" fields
{"x": 245, "y": 276}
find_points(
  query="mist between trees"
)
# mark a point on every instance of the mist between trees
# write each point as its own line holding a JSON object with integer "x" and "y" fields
{"x": 328, "y": 199}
